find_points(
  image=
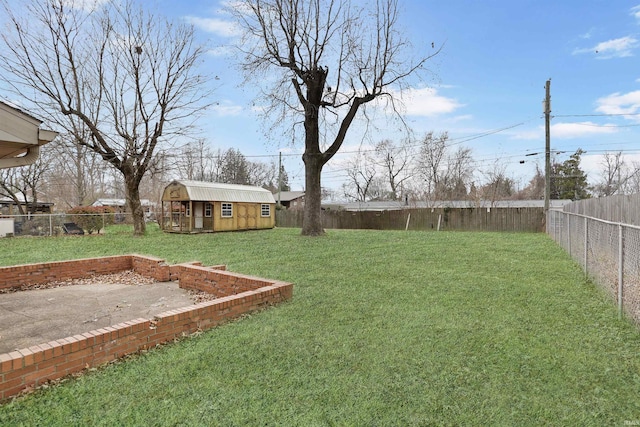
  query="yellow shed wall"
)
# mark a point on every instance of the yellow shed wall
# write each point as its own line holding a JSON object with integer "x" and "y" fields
{"x": 246, "y": 216}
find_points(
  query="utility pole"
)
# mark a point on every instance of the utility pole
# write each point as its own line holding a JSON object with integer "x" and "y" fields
{"x": 547, "y": 148}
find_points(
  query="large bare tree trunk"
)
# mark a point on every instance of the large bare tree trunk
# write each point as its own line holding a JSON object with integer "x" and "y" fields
{"x": 313, "y": 158}
{"x": 312, "y": 216}
{"x": 132, "y": 186}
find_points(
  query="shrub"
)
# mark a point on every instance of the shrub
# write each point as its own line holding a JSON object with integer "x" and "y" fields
{"x": 92, "y": 218}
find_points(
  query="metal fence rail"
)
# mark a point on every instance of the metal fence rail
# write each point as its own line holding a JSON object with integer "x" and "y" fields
{"x": 609, "y": 253}
{"x": 57, "y": 224}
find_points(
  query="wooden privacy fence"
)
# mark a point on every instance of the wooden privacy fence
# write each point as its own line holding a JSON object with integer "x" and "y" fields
{"x": 619, "y": 208}
{"x": 461, "y": 219}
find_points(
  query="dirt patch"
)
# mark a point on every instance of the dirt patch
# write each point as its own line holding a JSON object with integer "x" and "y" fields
{"x": 129, "y": 277}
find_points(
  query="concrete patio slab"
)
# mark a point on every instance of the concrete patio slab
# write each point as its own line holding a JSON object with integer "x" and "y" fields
{"x": 34, "y": 317}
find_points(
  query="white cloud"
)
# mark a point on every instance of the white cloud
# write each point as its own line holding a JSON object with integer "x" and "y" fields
{"x": 587, "y": 35}
{"x": 566, "y": 131}
{"x": 461, "y": 118}
{"x": 227, "y": 109}
{"x": 220, "y": 51}
{"x": 617, "y": 103}
{"x": 531, "y": 134}
{"x": 615, "y": 48}
{"x": 427, "y": 102}
{"x": 213, "y": 25}
{"x": 578, "y": 130}
{"x": 635, "y": 12}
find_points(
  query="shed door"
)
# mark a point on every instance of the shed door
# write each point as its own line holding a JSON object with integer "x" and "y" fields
{"x": 198, "y": 213}
{"x": 242, "y": 216}
{"x": 252, "y": 217}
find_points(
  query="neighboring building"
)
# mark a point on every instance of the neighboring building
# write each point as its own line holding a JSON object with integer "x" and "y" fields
{"x": 120, "y": 205}
{"x": 16, "y": 224}
{"x": 197, "y": 207}
{"x": 9, "y": 207}
{"x": 20, "y": 137}
{"x": 290, "y": 199}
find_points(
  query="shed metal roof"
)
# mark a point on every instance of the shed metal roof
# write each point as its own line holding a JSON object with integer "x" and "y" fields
{"x": 213, "y": 191}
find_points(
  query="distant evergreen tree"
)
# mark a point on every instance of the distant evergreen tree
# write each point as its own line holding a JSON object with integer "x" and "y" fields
{"x": 235, "y": 168}
{"x": 568, "y": 180}
{"x": 284, "y": 184}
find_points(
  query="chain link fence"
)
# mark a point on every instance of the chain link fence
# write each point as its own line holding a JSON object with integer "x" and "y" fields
{"x": 59, "y": 224}
{"x": 609, "y": 253}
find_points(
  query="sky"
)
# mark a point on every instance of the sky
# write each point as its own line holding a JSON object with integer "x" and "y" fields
{"x": 485, "y": 89}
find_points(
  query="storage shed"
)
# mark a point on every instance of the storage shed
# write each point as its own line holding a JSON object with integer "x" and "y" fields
{"x": 201, "y": 207}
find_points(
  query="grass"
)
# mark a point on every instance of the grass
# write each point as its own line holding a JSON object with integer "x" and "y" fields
{"x": 385, "y": 328}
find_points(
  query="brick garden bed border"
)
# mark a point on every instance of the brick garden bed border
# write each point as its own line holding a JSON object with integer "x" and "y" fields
{"x": 236, "y": 294}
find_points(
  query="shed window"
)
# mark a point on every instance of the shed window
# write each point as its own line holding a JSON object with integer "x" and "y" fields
{"x": 227, "y": 210}
{"x": 265, "y": 210}
{"x": 187, "y": 210}
{"x": 208, "y": 208}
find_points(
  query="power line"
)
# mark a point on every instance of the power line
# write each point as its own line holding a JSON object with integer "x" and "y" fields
{"x": 596, "y": 115}
{"x": 453, "y": 141}
{"x": 605, "y": 126}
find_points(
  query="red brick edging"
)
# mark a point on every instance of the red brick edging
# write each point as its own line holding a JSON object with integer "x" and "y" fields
{"x": 31, "y": 367}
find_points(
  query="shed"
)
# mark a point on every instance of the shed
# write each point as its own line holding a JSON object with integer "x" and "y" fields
{"x": 200, "y": 207}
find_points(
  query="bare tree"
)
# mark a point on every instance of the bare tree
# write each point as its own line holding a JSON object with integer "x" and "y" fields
{"x": 195, "y": 161}
{"x": 264, "y": 175}
{"x": 216, "y": 168}
{"x": 457, "y": 176}
{"x": 22, "y": 184}
{"x": 498, "y": 185}
{"x": 76, "y": 173}
{"x": 361, "y": 172}
{"x": 535, "y": 189}
{"x": 11, "y": 188}
{"x": 614, "y": 174}
{"x": 445, "y": 175}
{"x": 332, "y": 58}
{"x": 379, "y": 189}
{"x": 431, "y": 159}
{"x": 632, "y": 183}
{"x": 117, "y": 78}
{"x": 396, "y": 161}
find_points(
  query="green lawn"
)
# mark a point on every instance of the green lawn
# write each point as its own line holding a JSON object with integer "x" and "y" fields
{"x": 385, "y": 328}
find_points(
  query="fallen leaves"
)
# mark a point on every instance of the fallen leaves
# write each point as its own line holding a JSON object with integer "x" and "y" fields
{"x": 127, "y": 277}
